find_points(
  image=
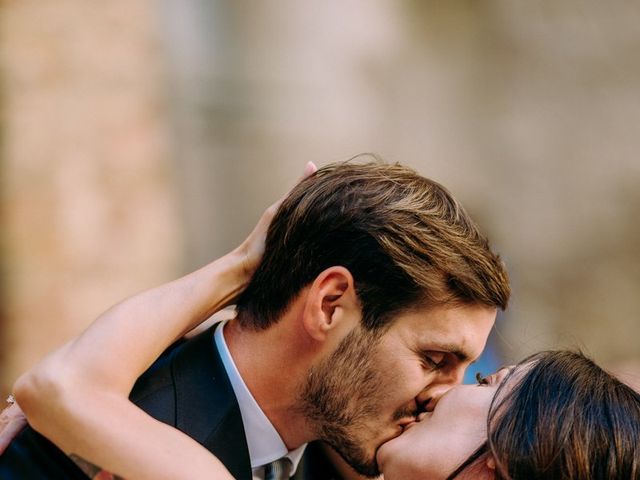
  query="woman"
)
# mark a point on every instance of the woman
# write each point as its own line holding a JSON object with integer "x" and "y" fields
{"x": 491, "y": 430}
{"x": 556, "y": 415}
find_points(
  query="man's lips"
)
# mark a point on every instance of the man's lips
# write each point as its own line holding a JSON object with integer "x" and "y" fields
{"x": 407, "y": 421}
{"x": 414, "y": 415}
{"x": 410, "y": 422}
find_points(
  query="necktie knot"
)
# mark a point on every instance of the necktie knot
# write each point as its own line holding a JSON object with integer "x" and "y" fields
{"x": 278, "y": 470}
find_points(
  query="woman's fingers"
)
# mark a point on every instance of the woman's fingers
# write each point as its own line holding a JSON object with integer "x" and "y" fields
{"x": 12, "y": 421}
{"x": 253, "y": 246}
{"x": 309, "y": 169}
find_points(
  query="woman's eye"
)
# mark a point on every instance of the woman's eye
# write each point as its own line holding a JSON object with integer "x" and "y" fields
{"x": 482, "y": 380}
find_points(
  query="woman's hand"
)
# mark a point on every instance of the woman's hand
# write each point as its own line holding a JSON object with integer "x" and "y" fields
{"x": 252, "y": 249}
{"x": 243, "y": 261}
{"x": 12, "y": 421}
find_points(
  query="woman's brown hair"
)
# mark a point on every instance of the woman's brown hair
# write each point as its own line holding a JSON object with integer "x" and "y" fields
{"x": 566, "y": 418}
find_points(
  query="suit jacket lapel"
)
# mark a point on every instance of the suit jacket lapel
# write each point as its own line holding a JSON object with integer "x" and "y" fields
{"x": 206, "y": 407}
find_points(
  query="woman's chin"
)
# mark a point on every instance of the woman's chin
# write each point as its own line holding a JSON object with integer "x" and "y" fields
{"x": 385, "y": 452}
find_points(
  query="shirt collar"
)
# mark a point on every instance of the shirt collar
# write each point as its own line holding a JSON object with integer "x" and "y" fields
{"x": 263, "y": 441}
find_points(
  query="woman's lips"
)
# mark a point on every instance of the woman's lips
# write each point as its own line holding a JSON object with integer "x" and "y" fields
{"x": 409, "y": 425}
{"x": 415, "y": 420}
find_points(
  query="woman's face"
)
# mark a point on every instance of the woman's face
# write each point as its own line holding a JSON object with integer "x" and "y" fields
{"x": 434, "y": 447}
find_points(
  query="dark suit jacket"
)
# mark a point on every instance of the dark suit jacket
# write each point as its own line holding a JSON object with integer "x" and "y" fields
{"x": 187, "y": 387}
{"x": 315, "y": 466}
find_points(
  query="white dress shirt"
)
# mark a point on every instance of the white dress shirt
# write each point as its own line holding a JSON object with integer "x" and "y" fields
{"x": 263, "y": 441}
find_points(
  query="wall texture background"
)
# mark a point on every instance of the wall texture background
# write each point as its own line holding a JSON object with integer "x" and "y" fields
{"x": 142, "y": 139}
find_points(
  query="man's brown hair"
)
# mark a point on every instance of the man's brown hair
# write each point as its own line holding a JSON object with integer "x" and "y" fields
{"x": 403, "y": 237}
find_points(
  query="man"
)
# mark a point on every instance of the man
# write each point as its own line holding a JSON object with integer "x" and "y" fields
{"x": 375, "y": 292}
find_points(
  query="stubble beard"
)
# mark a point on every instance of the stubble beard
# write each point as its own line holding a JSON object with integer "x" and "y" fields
{"x": 341, "y": 399}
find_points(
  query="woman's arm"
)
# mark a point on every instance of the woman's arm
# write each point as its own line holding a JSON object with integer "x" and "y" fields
{"x": 77, "y": 396}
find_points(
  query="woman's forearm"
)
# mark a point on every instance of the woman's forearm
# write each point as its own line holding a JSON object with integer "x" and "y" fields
{"x": 122, "y": 342}
{"x": 109, "y": 432}
{"x": 136, "y": 331}
{"x": 80, "y": 391}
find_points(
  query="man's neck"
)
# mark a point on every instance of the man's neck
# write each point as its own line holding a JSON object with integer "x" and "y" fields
{"x": 273, "y": 367}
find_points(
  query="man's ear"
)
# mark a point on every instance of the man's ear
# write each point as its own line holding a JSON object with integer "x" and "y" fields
{"x": 491, "y": 463}
{"x": 332, "y": 304}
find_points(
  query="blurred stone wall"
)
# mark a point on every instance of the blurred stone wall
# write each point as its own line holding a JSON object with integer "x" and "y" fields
{"x": 539, "y": 136}
{"x": 88, "y": 212}
{"x": 142, "y": 139}
{"x": 528, "y": 112}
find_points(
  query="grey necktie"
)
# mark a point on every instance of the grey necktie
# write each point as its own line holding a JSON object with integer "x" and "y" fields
{"x": 278, "y": 470}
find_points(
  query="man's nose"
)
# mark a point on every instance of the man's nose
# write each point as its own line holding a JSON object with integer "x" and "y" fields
{"x": 429, "y": 397}
{"x": 455, "y": 376}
